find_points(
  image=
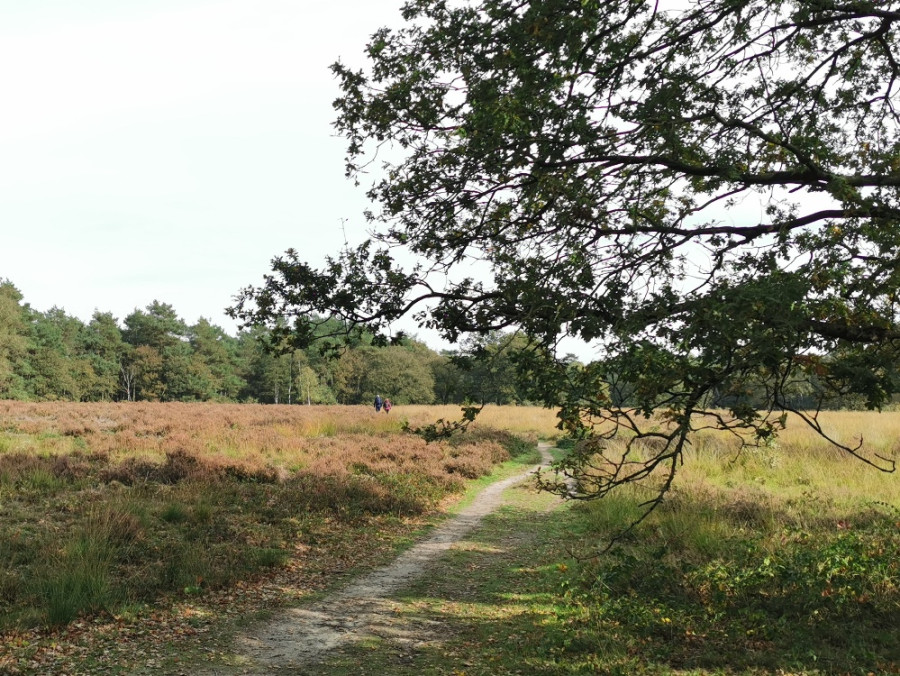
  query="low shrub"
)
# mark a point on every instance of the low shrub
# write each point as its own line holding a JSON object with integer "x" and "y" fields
{"x": 743, "y": 579}
{"x": 170, "y": 512}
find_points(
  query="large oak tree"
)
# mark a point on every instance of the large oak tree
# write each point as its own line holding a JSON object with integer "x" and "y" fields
{"x": 705, "y": 191}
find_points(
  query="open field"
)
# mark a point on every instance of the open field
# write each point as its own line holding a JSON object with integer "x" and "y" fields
{"x": 129, "y": 528}
{"x": 108, "y": 509}
{"x": 246, "y": 434}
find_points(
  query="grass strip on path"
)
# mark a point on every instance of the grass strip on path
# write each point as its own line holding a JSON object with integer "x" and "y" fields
{"x": 491, "y": 606}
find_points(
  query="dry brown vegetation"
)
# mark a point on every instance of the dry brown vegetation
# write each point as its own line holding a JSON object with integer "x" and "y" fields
{"x": 106, "y": 509}
{"x": 255, "y": 435}
{"x": 128, "y": 442}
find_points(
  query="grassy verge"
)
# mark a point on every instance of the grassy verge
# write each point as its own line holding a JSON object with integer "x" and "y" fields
{"x": 713, "y": 584}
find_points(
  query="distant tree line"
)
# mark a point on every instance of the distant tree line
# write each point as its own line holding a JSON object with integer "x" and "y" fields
{"x": 153, "y": 355}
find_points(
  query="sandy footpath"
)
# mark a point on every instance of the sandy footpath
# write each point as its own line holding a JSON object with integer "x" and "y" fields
{"x": 295, "y": 639}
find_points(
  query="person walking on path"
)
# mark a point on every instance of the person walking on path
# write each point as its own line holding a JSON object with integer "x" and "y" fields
{"x": 387, "y": 405}
{"x": 377, "y": 403}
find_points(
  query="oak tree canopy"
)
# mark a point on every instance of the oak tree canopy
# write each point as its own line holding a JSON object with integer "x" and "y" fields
{"x": 705, "y": 191}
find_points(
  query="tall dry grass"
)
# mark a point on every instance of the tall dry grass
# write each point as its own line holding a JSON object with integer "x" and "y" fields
{"x": 800, "y": 463}
{"x": 782, "y": 556}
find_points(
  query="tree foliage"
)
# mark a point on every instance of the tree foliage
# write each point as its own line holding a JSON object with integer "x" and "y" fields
{"x": 59, "y": 369}
{"x": 13, "y": 342}
{"x": 489, "y": 369}
{"x": 707, "y": 192}
{"x": 156, "y": 356}
{"x": 102, "y": 342}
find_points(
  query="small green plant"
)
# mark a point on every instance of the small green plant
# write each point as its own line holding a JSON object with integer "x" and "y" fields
{"x": 79, "y": 581}
{"x": 186, "y": 566}
{"x": 269, "y": 557}
{"x": 202, "y": 512}
{"x": 40, "y": 479}
{"x": 174, "y": 513}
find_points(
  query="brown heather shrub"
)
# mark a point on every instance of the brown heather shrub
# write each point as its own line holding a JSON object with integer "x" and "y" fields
{"x": 15, "y": 465}
{"x": 70, "y": 467}
{"x": 463, "y": 466}
{"x": 180, "y": 465}
{"x": 362, "y": 493}
{"x": 401, "y": 454}
{"x": 175, "y": 442}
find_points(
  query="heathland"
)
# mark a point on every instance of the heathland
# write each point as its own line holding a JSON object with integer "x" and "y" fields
{"x": 134, "y": 532}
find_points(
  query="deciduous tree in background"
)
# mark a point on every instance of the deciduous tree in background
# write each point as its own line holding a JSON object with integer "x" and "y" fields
{"x": 489, "y": 370}
{"x": 401, "y": 373}
{"x": 707, "y": 192}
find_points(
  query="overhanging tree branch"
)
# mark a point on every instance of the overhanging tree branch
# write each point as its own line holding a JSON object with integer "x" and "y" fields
{"x": 709, "y": 194}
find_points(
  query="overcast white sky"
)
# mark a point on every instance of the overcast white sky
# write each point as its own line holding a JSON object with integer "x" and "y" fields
{"x": 169, "y": 149}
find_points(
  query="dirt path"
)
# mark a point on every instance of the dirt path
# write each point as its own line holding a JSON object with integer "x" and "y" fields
{"x": 297, "y": 638}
